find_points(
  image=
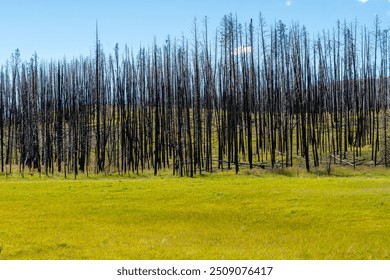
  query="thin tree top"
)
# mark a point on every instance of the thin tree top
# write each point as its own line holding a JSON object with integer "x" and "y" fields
{"x": 55, "y": 29}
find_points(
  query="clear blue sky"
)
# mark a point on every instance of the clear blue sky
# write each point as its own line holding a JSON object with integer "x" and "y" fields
{"x": 58, "y": 28}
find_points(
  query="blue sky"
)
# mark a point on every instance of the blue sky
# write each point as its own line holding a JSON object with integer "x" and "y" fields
{"x": 58, "y": 28}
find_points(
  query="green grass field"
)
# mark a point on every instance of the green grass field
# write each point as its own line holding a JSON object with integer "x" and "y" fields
{"x": 253, "y": 215}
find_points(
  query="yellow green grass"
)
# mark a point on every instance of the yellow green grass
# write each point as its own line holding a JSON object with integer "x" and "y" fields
{"x": 252, "y": 215}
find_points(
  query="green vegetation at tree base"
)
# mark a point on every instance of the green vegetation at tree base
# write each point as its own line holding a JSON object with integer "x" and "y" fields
{"x": 253, "y": 215}
{"x": 254, "y": 95}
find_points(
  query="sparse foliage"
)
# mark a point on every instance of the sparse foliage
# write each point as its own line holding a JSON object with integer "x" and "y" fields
{"x": 262, "y": 96}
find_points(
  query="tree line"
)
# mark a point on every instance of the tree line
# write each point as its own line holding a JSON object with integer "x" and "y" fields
{"x": 264, "y": 96}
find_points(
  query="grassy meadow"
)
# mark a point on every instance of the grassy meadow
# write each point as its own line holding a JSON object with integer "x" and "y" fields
{"x": 253, "y": 215}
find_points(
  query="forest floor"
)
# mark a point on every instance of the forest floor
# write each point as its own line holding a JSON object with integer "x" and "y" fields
{"x": 253, "y": 215}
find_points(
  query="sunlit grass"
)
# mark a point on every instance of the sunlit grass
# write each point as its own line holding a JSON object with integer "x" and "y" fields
{"x": 253, "y": 215}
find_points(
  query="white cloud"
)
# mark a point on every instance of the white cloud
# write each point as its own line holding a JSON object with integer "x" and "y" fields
{"x": 289, "y": 2}
{"x": 242, "y": 50}
{"x": 363, "y": 1}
